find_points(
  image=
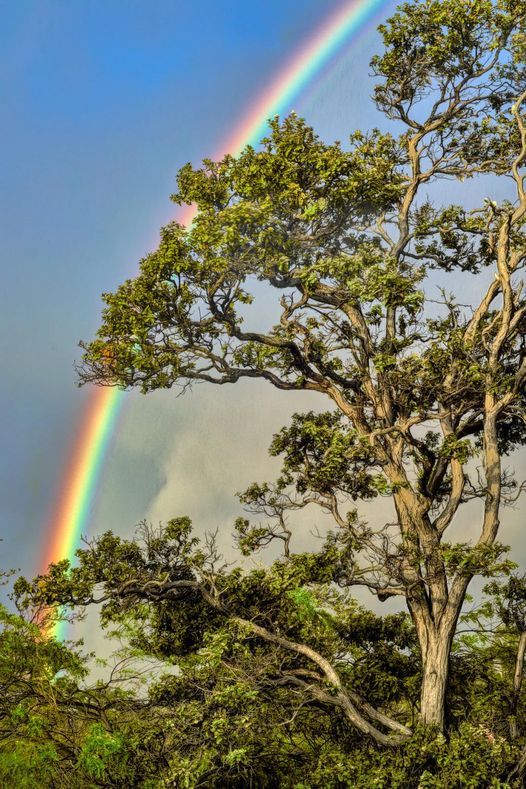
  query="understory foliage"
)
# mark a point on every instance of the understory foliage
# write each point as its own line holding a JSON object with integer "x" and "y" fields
{"x": 364, "y": 273}
{"x": 231, "y": 703}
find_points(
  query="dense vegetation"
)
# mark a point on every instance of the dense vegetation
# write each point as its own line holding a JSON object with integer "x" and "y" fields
{"x": 242, "y": 710}
{"x": 277, "y": 676}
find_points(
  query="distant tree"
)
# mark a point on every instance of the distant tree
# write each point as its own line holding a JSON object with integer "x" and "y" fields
{"x": 510, "y": 603}
{"x": 427, "y": 394}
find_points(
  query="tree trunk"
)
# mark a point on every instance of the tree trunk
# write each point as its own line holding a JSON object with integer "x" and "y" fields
{"x": 517, "y": 684}
{"x": 435, "y": 672}
{"x": 435, "y": 665}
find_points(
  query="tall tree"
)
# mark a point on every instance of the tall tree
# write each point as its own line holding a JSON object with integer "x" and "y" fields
{"x": 427, "y": 394}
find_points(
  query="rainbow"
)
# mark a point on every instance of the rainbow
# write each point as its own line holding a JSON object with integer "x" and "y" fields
{"x": 82, "y": 473}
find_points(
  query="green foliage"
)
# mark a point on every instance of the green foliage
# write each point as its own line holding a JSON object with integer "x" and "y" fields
{"x": 97, "y": 750}
{"x": 510, "y": 599}
{"x": 58, "y": 731}
{"x": 484, "y": 560}
{"x": 474, "y": 757}
{"x": 227, "y": 718}
{"x": 322, "y": 454}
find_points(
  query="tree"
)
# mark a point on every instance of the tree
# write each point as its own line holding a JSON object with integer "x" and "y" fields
{"x": 56, "y": 730}
{"x": 426, "y": 394}
{"x": 510, "y": 602}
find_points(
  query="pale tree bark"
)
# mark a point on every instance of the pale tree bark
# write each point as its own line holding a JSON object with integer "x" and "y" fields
{"x": 517, "y": 685}
{"x": 435, "y": 672}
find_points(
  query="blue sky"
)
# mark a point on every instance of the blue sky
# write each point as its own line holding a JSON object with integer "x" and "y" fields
{"x": 100, "y": 104}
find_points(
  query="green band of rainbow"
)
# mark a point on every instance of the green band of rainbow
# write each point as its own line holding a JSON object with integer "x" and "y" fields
{"x": 81, "y": 476}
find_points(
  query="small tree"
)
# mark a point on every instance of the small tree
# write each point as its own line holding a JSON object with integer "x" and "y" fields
{"x": 58, "y": 731}
{"x": 426, "y": 397}
{"x": 510, "y": 603}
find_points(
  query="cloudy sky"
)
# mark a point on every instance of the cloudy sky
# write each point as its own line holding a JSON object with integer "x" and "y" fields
{"x": 101, "y": 103}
